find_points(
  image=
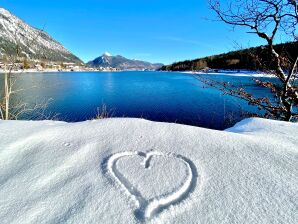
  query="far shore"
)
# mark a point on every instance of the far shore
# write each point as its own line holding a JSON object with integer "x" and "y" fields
{"x": 244, "y": 73}
{"x": 51, "y": 70}
{"x": 20, "y": 71}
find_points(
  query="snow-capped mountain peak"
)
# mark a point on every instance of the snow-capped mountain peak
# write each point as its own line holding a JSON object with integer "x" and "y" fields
{"x": 122, "y": 63}
{"x": 107, "y": 54}
{"x": 5, "y": 12}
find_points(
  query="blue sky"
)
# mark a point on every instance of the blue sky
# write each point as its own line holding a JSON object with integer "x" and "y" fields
{"x": 157, "y": 30}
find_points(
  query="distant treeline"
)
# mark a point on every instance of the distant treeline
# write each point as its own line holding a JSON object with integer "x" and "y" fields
{"x": 256, "y": 58}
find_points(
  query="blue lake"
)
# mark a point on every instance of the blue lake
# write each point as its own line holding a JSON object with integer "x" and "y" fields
{"x": 157, "y": 96}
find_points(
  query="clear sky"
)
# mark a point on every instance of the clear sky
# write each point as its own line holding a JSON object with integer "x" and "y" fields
{"x": 154, "y": 30}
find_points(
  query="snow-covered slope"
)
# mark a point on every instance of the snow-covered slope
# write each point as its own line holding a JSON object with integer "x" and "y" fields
{"x": 34, "y": 43}
{"x": 132, "y": 171}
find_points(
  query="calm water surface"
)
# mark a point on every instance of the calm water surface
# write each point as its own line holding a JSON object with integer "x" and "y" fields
{"x": 157, "y": 96}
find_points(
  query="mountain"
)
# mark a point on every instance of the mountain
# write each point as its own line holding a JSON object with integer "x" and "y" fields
{"x": 122, "y": 63}
{"x": 34, "y": 44}
{"x": 252, "y": 58}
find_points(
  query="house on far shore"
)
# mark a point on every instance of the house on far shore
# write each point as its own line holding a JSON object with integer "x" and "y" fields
{"x": 38, "y": 67}
{"x": 69, "y": 65}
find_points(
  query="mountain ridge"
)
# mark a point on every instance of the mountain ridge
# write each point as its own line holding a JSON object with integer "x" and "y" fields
{"x": 32, "y": 43}
{"x": 122, "y": 63}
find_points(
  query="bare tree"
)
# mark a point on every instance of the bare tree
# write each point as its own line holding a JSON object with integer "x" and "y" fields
{"x": 268, "y": 19}
{"x": 12, "y": 110}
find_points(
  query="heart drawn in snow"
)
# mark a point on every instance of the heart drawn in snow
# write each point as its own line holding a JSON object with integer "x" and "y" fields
{"x": 153, "y": 180}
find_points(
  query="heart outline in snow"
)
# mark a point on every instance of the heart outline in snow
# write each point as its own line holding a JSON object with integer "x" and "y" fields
{"x": 147, "y": 209}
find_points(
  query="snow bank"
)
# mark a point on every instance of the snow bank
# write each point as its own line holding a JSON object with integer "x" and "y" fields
{"x": 132, "y": 171}
{"x": 239, "y": 74}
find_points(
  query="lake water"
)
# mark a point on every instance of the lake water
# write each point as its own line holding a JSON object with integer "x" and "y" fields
{"x": 157, "y": 96}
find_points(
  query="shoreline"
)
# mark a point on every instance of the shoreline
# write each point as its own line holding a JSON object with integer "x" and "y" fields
{"x": 243, "y": 73}
{"x": 50, "y": 71}
{"x": 232, "y": 73}
{"x": 67, "y": 70}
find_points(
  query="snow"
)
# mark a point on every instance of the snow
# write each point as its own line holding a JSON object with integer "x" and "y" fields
{"x": 133, "y": 170}
{"x": 234, "y": 73}
{"x": 14, "y": 29}
{"x": 107, "y": 54}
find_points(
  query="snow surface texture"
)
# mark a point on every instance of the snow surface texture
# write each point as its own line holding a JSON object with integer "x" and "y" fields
{"x": 138, "y": 171}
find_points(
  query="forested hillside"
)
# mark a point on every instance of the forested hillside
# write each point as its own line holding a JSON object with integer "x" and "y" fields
{"x": 253, "y": 58}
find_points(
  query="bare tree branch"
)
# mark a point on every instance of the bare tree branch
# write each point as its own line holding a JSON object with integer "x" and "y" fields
{"x": 267, "y": 18}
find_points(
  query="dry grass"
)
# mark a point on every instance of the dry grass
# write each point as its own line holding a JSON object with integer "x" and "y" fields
{"x": 102, "y": 112}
